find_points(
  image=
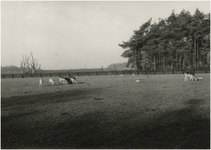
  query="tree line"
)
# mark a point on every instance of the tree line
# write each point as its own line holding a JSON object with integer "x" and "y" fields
{"x": 180, "y": 41}
{"x": 117, "y": 66}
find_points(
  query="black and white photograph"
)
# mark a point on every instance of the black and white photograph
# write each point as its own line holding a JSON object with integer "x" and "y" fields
{"x": 105, "y": 74}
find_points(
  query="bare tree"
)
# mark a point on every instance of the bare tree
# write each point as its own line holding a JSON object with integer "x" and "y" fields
{"x": 24, "y": 64}
{"x": 29, "y": 64}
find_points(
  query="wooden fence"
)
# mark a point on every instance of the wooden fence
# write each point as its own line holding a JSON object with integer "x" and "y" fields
{"x": 99, "y": 73}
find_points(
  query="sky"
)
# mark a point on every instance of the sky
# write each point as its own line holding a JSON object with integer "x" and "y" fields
{"x": 80, "y": 34}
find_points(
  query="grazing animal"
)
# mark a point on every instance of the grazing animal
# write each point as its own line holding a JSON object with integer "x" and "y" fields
{"x": 51, "y": 81}
{"x": 74, "y": 81}
{"x": 138, "y": 80}
{"x": 68, "y": 80}
{"x": 71, "y": 80}
{"x": 190, "y": 75}
{"x": 199, "y": 78}
{"x": 193, "y": 78}
{"x": 41, "y": 83}
{"x": 62, "y": 80}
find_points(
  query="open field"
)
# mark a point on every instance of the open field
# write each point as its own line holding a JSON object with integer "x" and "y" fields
{"x": 161, "y": 111}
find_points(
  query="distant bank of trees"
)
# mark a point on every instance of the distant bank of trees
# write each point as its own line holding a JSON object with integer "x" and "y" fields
{"x": 15, "y": 69}
{"x": 29, "y": 65}
{"x": 118, "y": 66}
{"x": 179, "y": 42}
{"x": 10, "y": 69}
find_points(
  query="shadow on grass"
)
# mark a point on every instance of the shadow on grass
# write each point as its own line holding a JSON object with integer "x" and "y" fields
{"x": 49, "y": 98}
{"x": 184, "y": 128}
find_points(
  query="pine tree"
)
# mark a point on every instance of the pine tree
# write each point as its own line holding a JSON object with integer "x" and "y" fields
{"x": 181, "y": 41}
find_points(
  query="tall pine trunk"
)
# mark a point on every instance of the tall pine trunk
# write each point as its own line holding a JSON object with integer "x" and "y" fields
{"x": 194, "y": 53}
{"x": 184, "y": 59}
{"x": 154, "y": 62}
{"x": 159, "y": 64}
{"x": 180, "y": 62}
{"x": 137, "y": 59}
{"x": 197, "y": 52}
{"x": 163, "y": 62}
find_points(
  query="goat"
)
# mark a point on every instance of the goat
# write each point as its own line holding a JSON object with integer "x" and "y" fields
{"x": 71, "y": 80}
{"x": 190, "y": 75}
{"x": 41, "y": 83}
{"x": 74, "y": 81}
{"x": 68, "y": 80}
{"x": 199, "y": 78}
{"x": 62, "y": 80}
{"x": 51, "y": 81}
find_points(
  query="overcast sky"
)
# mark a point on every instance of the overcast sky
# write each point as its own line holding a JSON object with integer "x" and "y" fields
{"x": 70, "y": 35}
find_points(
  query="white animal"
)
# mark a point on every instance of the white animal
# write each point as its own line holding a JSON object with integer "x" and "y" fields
{"x": 199, "y": 78}
{"x": 62, "y": 81}
{"x": 74, "y": 81}
{"x": 41, "y": 83}
{"x": 68, "y": 80}
{"x": 51, "y": 81}
{"x": 190, "y": 75}
{"x": 193, "y": 78}
{"x": 138, "y": 80}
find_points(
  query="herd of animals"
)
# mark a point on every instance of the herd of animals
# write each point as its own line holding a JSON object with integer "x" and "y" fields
{"x": 191, "y": 76}
{"x": 72, "y": 80}
{"x": 62, "y": 80}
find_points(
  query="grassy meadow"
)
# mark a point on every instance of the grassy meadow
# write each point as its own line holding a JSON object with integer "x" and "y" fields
{"x": 161, "y": 111}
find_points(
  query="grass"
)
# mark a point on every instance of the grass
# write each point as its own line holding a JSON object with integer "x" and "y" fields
{"x": 161, "y": 111}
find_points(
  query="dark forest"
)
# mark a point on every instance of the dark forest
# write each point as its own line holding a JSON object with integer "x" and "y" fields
{"x": 180, "y": 41}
